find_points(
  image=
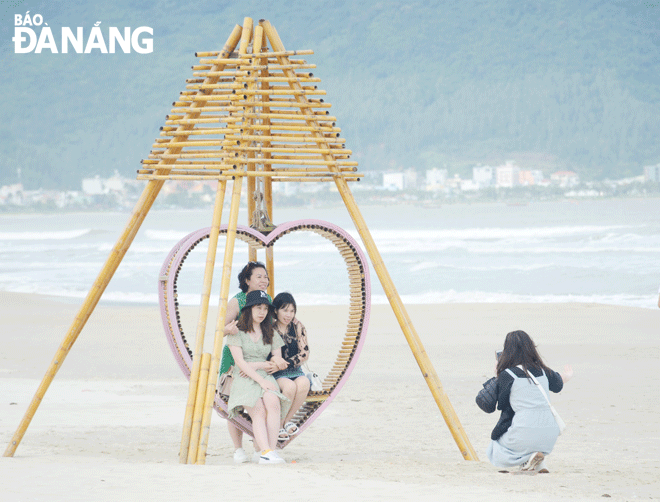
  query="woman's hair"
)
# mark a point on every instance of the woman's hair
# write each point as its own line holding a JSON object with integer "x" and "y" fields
{"x": 518, "y": 349}
{"x": 284, "y": 300}
{"x": 246, "y": 273}
{"x": 245, "y": 322}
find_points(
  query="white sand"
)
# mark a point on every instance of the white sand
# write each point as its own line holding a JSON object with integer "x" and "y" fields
{"x": 109, "y": 427}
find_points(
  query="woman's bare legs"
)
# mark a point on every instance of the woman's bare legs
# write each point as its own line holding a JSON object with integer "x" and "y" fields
{"x": 236, "y": 435}
{"x": 296, "y": 390}
{"x": 265, "y": 415}
{"x": 272, "y": 403}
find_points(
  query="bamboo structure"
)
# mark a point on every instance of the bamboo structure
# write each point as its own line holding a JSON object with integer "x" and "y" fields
{"x": 253, "y": 110}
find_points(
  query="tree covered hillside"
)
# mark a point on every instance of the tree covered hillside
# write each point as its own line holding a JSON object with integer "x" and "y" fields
{"x": 421, "y": 84}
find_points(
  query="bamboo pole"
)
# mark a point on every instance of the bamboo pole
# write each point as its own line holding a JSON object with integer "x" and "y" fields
{"x": 220, "y": 324}
{"x": 289, "y": 103}
{"x": 289, "y": 116}
{"x": 266, "y": 104}
{"x": 201, "y": 324}
{"x": 280, "y": 137}
{"x": 277, "y": 79}
{"x": 297, "y": 149}
{"x": 281, "y": 92}
{"x": 294, "y": 66}
{"x": 298, "y": 128}
{"x": 276, "y": 176}
{"x": 305, "y": 162}
{"x": 303, "y": 52}
{"x": 250, "y": 155}
{"x": 425, "y": 365}
{"x": 185, "y": 108}
{"x": 123, "y": 243}
{"x": 196, "y": 424}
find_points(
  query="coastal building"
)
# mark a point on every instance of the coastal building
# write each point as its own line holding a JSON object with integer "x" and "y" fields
{"x": 565, "y": 179}
{"x": 530, "y": 177}
{"x": 507, "y": 175}
{"x": 11, "y": 194}
{"x": 469, "y": 186}
{"x": 100, "y": 186}
{"x": 483, "y": 176}
{"x": 435, "y": 179}
{"x": 652, "y": 173}
{"x": 400, "y": 180}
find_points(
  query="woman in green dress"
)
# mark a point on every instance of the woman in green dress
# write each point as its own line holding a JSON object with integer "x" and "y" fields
{"x": 253, "y": 277}
{"x": 254, "y": 389}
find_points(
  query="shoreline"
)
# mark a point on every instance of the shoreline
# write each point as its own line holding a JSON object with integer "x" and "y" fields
{"x": 325, "y": 204}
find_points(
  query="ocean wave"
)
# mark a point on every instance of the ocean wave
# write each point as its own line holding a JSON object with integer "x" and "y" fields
{"x": 496, "y": 233}
{"x": 172, "y": 236}
{"x": 451, "y": 296}
{"x": 44, "y": 236}
{"x": 312, "y": 299}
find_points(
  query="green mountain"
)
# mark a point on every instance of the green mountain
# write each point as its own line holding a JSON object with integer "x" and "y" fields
{"x": 551, "y": 84}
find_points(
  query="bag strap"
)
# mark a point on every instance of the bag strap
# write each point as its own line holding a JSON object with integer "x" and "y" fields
{"x": 537, "y": 384}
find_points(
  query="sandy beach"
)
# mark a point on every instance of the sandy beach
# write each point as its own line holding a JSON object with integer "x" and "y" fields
{"x": 109, "y": 427}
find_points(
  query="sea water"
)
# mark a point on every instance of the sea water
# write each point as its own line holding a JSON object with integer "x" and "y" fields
{"x": 602, "y": 251}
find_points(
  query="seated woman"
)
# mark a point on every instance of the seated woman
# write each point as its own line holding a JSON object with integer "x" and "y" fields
{"x": 253, "y": 388}
{"x": 253, "y": 277}
{"x": 292, "y": 381}
{"x": 527, "y": 430}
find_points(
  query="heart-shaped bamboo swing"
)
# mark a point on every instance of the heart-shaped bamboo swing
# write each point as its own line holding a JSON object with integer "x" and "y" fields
{"x": 358, "y": 315}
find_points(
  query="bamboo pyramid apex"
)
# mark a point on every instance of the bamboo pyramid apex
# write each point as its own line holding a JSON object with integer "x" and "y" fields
{"x": 253, "y": 111}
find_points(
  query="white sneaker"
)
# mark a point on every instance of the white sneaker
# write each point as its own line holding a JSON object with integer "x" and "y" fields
{"x": 240, "y": 457}
{"x": 541, "y": 468}
{"x": 533, "y": 462}
{"x": 256, "y": 456}
{"x": 270, "y": 457}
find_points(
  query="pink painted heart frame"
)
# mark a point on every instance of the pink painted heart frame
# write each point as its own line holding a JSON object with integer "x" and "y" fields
{"x": 358, "y": 319}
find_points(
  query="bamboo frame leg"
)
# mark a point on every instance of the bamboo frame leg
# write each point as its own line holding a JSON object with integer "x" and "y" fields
{"x": 422, "y": 358}
{"x": 202, "y": 382}
{"x": 203, "y": 316}
{"x": 116, "y": 255}
{"x": 220, "y": 325}
{"x": 270, "y": 268}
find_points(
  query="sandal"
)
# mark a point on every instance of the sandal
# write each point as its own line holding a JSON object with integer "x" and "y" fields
{"x": 283, "y": 435}
{"x": 291, "y": 429}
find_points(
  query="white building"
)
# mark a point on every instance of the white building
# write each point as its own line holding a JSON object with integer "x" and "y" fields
{"x": 400, "y": 180}
{"x": 530, "y": 177}
{"x": 100, "y": 186}
{"x": 11, "y": 194}
{"x": 435, "y": 179}
{"x": 565, "y": 178}
{"x": 93, "y": 186}
{"x": 483, "y": 176}
{"x": 469, "y": 186}
{"x": 507, "y": 175}
{"x": 652, "y": 173}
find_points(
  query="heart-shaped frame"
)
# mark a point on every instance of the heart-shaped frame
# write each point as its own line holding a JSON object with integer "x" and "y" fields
{"x": 358, "y": 316}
